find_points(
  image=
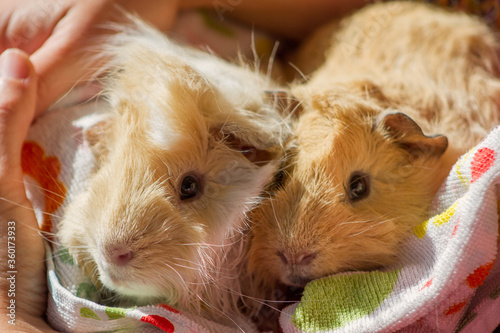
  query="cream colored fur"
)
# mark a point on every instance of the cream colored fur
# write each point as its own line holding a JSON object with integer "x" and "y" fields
{"x": 441, "y": 69}
{"x": 176, "y": 111}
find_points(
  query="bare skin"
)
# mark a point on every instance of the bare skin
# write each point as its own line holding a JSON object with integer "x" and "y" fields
{"x": 18, "y": 84}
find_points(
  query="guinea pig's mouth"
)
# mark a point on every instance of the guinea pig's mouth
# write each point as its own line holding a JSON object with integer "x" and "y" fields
{"x": 296, "y": 280}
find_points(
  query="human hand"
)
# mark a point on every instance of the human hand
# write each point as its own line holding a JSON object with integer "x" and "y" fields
{"x": 62, "y": 36}
{"x": 23, "y": 288}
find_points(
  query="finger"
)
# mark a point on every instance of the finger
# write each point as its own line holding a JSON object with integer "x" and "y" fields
{"x": 61, "y": 63}
{"x": 58, "y": 72}
{"x": 17, "y": 105}
{"x": 27, "y": 27}
{"x": 69, "y": 56}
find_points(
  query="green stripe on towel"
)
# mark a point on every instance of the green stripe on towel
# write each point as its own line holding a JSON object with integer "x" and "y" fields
{"x": 335, "y": 301}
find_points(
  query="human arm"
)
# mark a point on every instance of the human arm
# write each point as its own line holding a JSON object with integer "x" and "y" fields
{"x": 288, "y": 18}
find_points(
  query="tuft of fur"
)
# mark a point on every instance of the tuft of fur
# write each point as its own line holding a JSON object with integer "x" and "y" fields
{"x": 386, "y": 69}
{"x": 176, "y": 111}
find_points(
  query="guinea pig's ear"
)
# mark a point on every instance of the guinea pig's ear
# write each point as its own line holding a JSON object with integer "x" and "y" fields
{"x": 408, "y": 135}
{"x": 257, "y": 155}
{"x": 95, "y": 137}
{"x": 284, "y": 102}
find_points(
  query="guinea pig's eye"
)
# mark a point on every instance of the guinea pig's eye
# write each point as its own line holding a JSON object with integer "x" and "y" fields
{"x": 279, "y": 178}
{"x": 359, "y": 186}
{"x": 190, "y": 187}
{"x": 277, "y": 182}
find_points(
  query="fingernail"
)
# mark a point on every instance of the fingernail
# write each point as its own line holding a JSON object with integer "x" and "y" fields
{"x": 13, "y": 64}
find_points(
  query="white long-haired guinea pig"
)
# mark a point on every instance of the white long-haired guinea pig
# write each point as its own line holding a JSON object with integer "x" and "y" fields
{"x": 189, "y": 145}
{"x": 404, "y": 90}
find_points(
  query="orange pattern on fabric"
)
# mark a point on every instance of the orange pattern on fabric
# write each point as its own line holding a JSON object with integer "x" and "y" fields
{"x": 483, "y": 159}
{"x": 168, "y": 307}
{"x": 477, "y": 278}
{"x": 45, "y": 170}
{"x": 160, "y": 322}
{"x": 427, "y": 284}
{"x": 455, "y": 308}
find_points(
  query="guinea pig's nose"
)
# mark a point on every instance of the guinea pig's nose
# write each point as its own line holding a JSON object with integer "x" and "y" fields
{"x": 303, "y": 258}
{"x": 119, "y": 255}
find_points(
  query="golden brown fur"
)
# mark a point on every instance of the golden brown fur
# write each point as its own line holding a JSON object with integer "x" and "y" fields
{"x": 384, "y": 62}
{"x": 175, "y": 112}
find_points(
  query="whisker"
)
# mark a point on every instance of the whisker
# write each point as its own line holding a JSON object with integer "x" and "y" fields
{"x": 276, "y": 217}
{"x": 304, "y": 77}
{"x": 270, "y": 63}
{"x": 44, "y": 190}
{"x": 370, "y": 227}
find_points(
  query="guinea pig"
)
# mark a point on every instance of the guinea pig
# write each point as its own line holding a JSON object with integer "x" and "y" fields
{"x": 404, "y": 90}
{"x": 188, "y": 145}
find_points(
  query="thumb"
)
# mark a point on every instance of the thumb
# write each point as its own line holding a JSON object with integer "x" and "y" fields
{"x": 17, "y": 108}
